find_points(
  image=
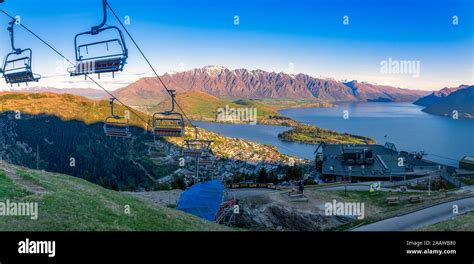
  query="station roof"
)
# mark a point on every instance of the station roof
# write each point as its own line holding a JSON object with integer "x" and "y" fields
{"x": 385, "y": 161}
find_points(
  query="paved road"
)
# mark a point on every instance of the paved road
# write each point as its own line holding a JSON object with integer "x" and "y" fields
{"x": 424, "y": 217}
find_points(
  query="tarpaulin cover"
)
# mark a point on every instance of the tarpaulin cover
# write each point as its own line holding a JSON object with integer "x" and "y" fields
{"x": 202, "y": 199}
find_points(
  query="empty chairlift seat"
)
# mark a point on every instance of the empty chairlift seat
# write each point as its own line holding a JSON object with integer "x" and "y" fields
{"x": 17, "y": 64}
{"x": 18, "y": 70}
{"x": 107, "y": 54}
{"x": 117, "y": 127}
{"x": 100, "y": 63}
{"x": 206, "y": 159}
{"x": 195, "y": 148}
{"x": 168, "y": 124}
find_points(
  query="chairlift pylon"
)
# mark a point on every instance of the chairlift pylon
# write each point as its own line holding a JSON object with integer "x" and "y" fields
{"x": 115, "y": 125}
{"x": 12, "y": 72}
{"x": 113, "y": 62}
{"x": 168, "y": 123}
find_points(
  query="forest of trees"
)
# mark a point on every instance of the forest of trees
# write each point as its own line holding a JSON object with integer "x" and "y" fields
{"x": 74, "y": 148}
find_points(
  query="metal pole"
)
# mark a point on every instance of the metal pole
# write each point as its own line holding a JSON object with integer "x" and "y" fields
{"x": 196, "y": 176}
{"x": 429, "y": 185}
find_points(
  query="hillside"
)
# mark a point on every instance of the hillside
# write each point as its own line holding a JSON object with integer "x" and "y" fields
{"x": 66, "y": 106}
{"x": 241, "y": 83}
{"x": 202, "y": 106}
{"x": 90, "y": 93}
{"x": 461, "y": 100}
{"x": 437, "y": 96}
{"x": 67, "y": 203}
{"x": 54, "y": 128}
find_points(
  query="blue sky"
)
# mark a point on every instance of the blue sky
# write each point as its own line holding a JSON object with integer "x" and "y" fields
{"x": 282, "y": 35}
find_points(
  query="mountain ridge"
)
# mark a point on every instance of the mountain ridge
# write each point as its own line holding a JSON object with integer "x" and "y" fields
{"x": 460, "y": 100}
{"x": 437, "y": 96}
{"x": 251, "y": 84}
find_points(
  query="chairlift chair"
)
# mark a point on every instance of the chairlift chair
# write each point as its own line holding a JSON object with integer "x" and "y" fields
{"x": 17, "y": 64}
{"x": 168, "y": 123}
{"x": 156, "y": 151}
{"x": 116, "y": 126}
{"x": 206, "y": 159}
{"x": 113, "y": 62}
{"x": 196, "y": 148}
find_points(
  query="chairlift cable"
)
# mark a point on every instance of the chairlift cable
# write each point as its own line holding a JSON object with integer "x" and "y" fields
{"x": 70, "y": 62}
{"x": 149, "y": 64}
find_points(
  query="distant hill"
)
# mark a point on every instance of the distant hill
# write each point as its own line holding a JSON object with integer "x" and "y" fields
{"x": 202, "y": 106}
{"x": 65, "y": 106}
{"x": 64, "y": 126}
{"x": 242, "y": 83}
{"x": 85, "y": 92}
{"x": 67, "y": 203}
{"x": 437, "y": 96}
{"x": 461, "y": 100}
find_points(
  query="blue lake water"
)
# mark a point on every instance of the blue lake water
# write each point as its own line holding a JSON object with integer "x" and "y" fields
{"x": 261, "y": 134}
{"x": 444, "y": 139}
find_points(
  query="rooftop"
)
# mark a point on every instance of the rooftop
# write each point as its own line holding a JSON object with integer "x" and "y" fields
{"x": 379, "y": 161}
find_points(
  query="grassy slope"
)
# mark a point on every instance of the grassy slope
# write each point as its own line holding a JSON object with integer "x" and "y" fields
{"x": 459, "y": 223}
{"x": 65, "y": 106}
{"x": 72, "y": 204}
{"x": 202, "y": 106}
{"x": 376, "y": 208}
{"x": 314, "y": 135}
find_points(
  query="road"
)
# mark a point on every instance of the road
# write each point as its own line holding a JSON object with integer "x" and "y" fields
{"x": 421, "y": 218}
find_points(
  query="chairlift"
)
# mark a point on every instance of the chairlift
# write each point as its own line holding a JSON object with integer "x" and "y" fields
{"x": 156, "y": 151}
{"x": 168, "y": 123}
{"x": 196, "y": 148}
{"x": 116, "y": 126}
{"x": 206, "y": 159}
{"x": 113, "y": 62}
{"x": 17, "y": 64}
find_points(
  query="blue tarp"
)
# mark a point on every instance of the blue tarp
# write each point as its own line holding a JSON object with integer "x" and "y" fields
{"x": 203, "y": 199}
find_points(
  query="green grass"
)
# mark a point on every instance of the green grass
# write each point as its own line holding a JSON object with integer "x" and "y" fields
{"x": 72, "y": 204}
{"x": 65, "y": 106}
{"x": 204, "y": 107}
{"x": 314, "y": 135}
{"x": 460, "y": 223}
{"x": 376, "y": 207}
{"x": 9, "y": 190}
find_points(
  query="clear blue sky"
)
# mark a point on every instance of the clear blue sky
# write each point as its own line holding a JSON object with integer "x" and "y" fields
{"x": 271, "y": 35}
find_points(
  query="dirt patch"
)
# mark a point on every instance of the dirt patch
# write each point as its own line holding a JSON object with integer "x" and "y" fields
{"x": 165, "y": 198}
{"x": 274, "y": 212}
{"x": 29, "y": 185}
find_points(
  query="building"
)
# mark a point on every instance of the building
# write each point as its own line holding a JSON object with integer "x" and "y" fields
{"x": 338, "y": 162}
{"x": 467, "y": 163}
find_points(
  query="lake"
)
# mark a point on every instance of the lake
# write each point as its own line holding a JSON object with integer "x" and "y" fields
{"x": 444, "y": 139}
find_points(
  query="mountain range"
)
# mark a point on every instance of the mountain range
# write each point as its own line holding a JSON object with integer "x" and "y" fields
{"x": 447, "y": 100}
{"x": 437, "y": 96}
{"x": 242, "y": 83}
